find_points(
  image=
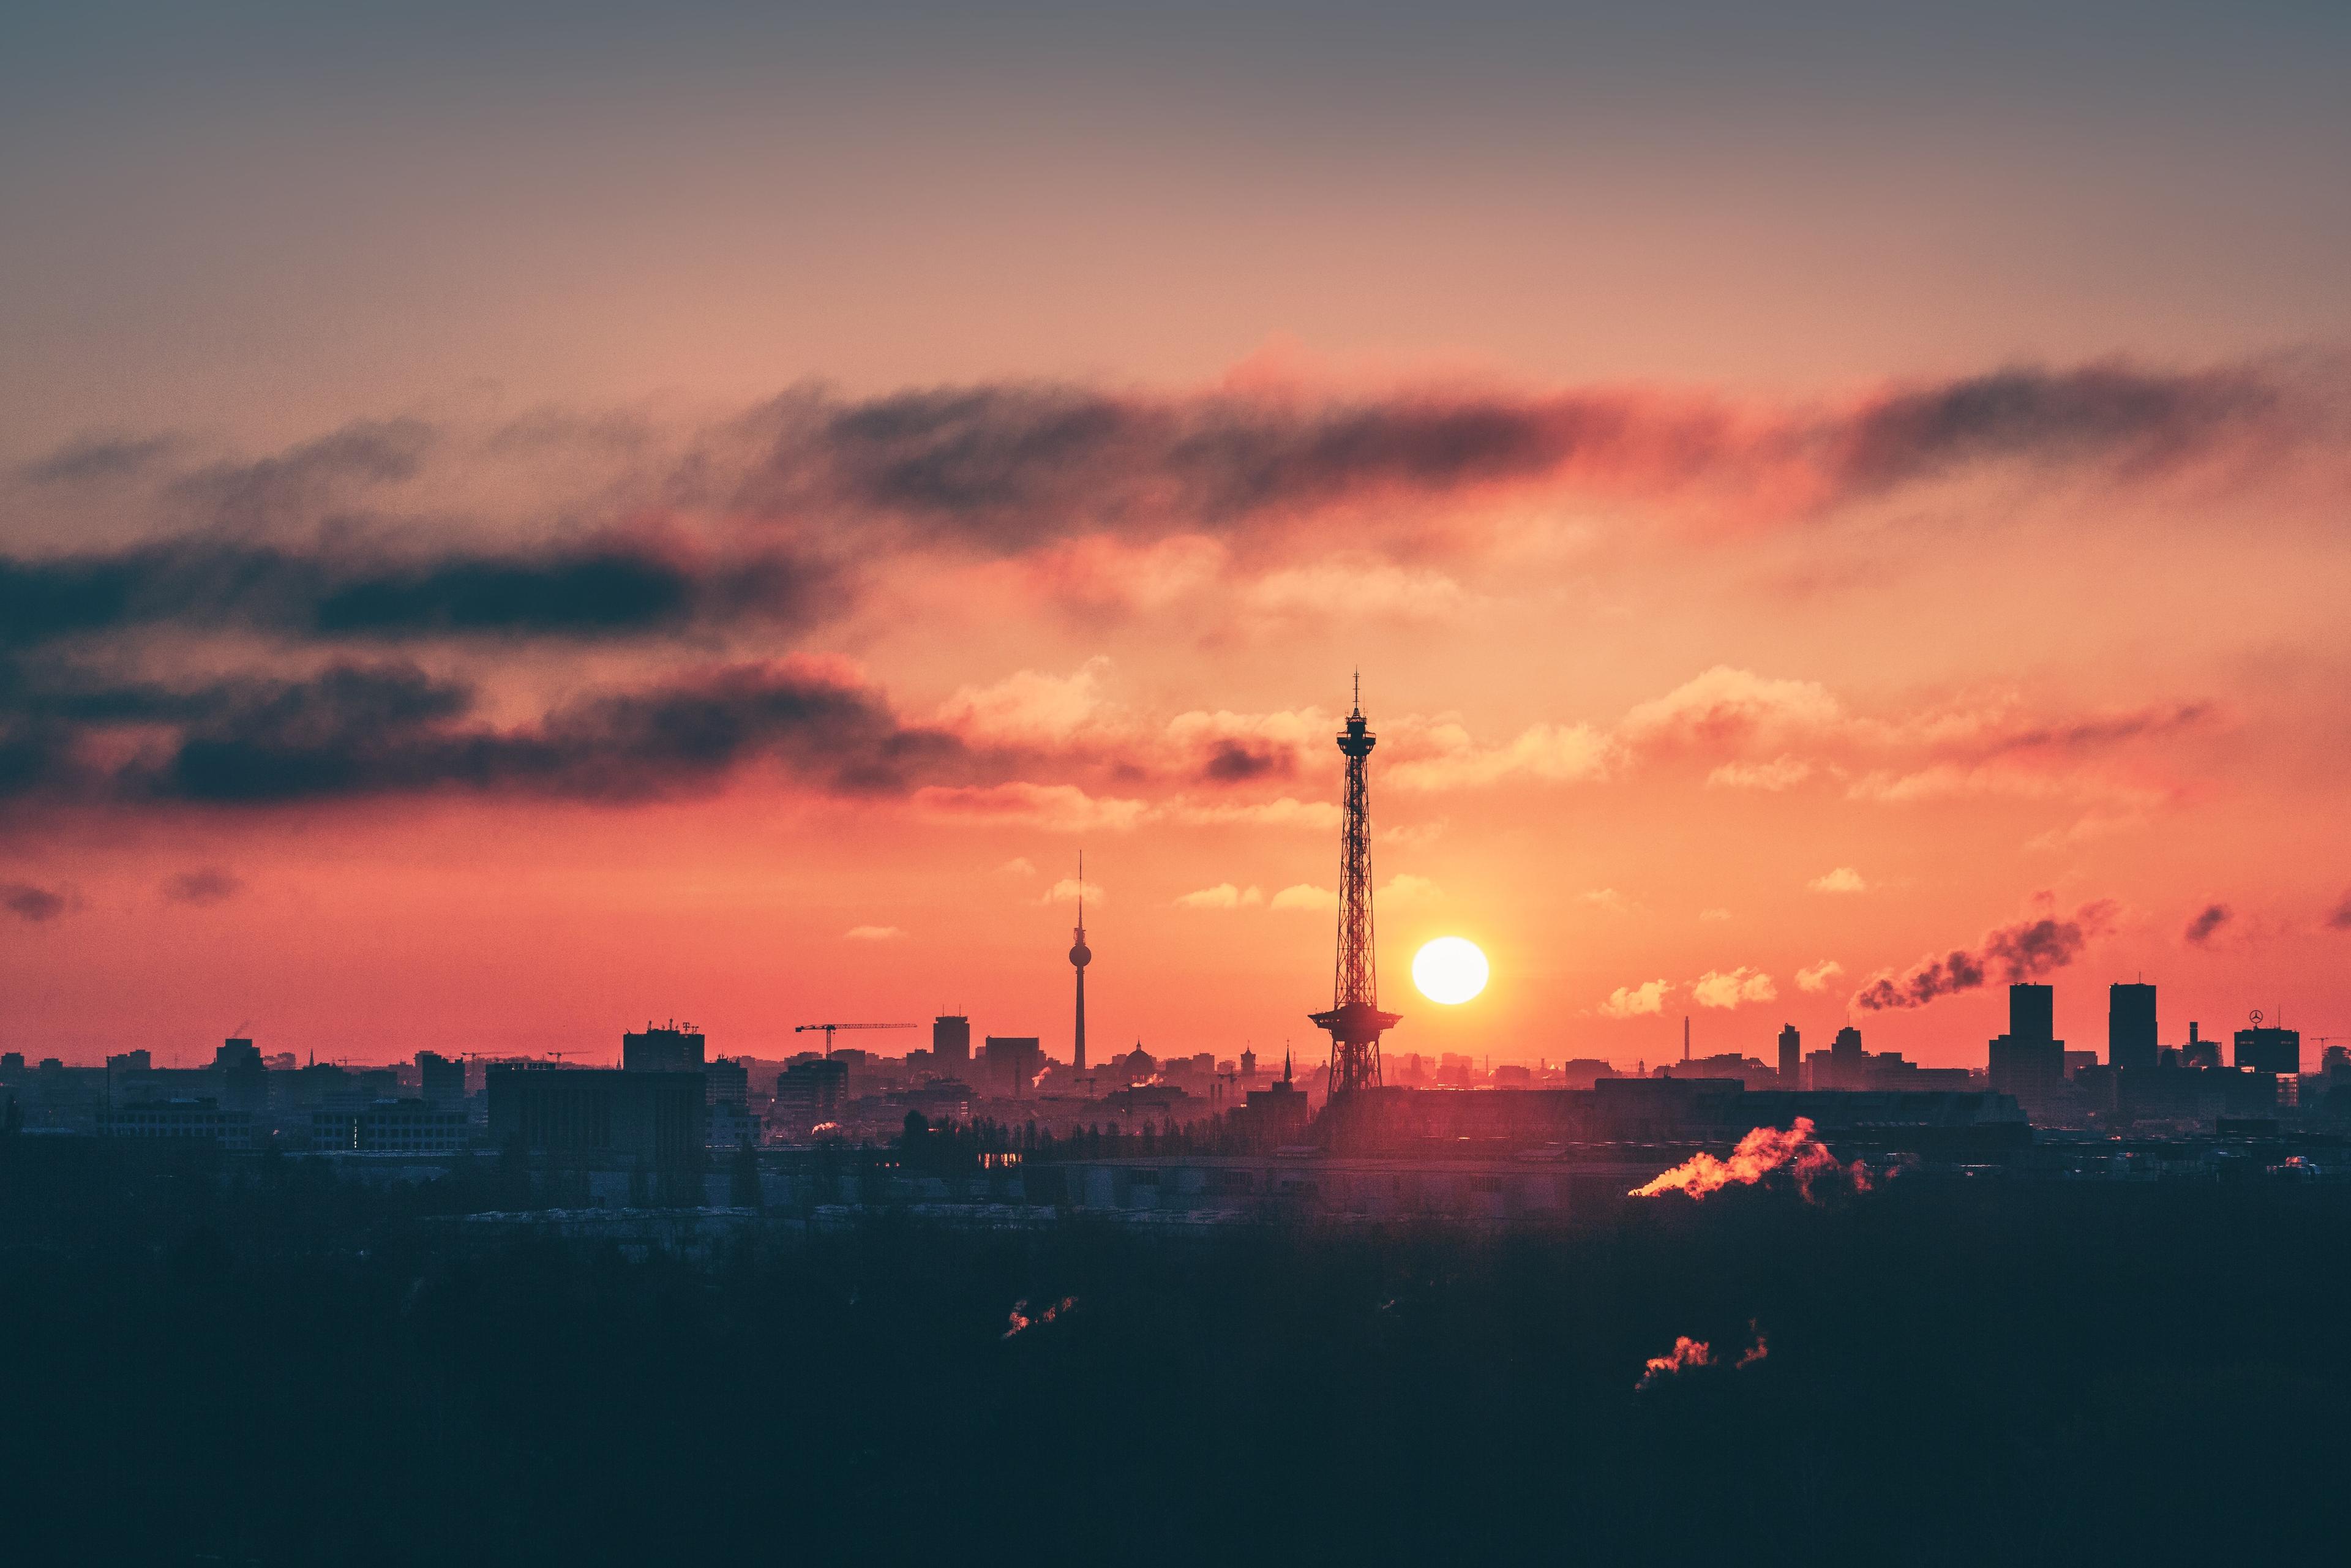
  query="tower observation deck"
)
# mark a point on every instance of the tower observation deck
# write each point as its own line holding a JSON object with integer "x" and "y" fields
{"x": 1355, "y": 1021}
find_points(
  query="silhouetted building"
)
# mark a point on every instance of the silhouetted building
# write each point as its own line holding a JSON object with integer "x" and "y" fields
{"x": 641, "y": 1118}
{"x": 390, "y": 1127}
{"x": 950, "y": 1044}
{"x": 662, "y": 1049}
{"x": 810, "y": 1093}
{"x": 2200, "y": 1051}
{"x": 1792, "y": 1057}
{"x": 726, "y": 1082}
{"x": 195, "y": 1120}
{"x": 731, "y": 1126}
{"x": 439, "y": 1080}
{"x": 243, "y": 1080}
{"x": 1248, "y": 1068}
{"x": 2269, "y": 1050}
{"x": 2130, "y": 1026}
{"x": 1010, "y": 1064}
{"x": 2029, "y": 1061}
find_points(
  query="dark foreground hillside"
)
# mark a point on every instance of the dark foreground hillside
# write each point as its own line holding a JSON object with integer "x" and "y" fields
{"x": 254, "y": 1363}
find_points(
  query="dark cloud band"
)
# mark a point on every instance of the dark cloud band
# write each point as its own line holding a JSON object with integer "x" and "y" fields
{"x": 357, "y": 732}
{"x": 591, "y": 591}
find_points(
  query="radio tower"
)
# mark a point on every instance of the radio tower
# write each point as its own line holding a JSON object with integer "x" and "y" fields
{"x": 1080, "y": 956}
{"x": 1355, "y": 1021}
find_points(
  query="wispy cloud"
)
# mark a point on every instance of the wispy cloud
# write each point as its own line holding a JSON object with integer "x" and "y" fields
{"x": 1816, "y": 977}
{"x": 203, "y": 886}
{"x": 1224, "y": 896}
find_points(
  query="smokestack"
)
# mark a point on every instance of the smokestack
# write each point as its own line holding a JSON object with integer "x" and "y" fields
{"x": 1684, "y": 1037}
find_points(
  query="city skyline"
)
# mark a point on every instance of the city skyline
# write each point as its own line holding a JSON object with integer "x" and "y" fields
{"x": 1788, "y": 541}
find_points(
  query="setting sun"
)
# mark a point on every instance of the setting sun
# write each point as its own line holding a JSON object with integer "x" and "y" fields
{"x": 1450, "y": 969}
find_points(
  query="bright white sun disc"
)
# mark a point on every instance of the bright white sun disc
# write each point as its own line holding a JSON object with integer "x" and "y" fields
{"x": 1450, "y": 969}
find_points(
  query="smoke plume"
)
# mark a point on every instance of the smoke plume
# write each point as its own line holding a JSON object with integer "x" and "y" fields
{"x": 2023, "y": 951}
{"x": 1687, "y": 1356}
{"x": 1695, "y": 1355}
{"x": 1762, "y": 1152}
{"x": 2206, "y": 926}
{"x": 1020, "y": 1319}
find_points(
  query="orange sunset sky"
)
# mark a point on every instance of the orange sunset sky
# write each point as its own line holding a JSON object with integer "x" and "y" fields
{"x": 590, "y": 520}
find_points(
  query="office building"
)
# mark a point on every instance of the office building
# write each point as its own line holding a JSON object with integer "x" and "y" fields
{"x": 2130, "y": 1026}
{"x": 726, "y": 1082}
{"x": 810, "y": 1094}
{"x": 640, "y": 1119}
{"x": 439, "y": 1080}
{"x": 390, "y": 1127}
{"x": 2029, "y": 1061}
{"x": 243, "y": 1082}
{"x": 194, "y": 1121}
{"x": 666, "y": 1048}
{"x": 1792, "y": 1057}
{"x": 731, "y": 1126}
{"x": 1010, "y": 1064}
{"x": 950, "y": 1044}
{"x": 2263, "y": 1050}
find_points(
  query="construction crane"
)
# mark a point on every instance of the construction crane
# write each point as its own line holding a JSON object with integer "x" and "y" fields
{"x": 829, "y": 1027}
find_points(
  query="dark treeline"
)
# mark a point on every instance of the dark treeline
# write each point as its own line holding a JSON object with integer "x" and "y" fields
{"x": 248, "y": 1361}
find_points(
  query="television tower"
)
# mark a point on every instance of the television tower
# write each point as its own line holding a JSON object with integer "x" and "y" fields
{"x": 1080, "y": 956}
{"x": 1355, "y": 1021}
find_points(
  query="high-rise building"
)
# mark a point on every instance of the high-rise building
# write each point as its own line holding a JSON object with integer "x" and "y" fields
{"x": 2200, "y": 1051}
{"x": 2029, "y": 1061}
{"x": 663, "y": 1048}
{"x": 243, "y": 1080}
{"x": 950, "y": 1044}
{"x": 1792, "y": 1057}
{"x": 440, "y": 1080}
{"x": 2130, "y": 1026}
{"x": 2269, "y": 1050}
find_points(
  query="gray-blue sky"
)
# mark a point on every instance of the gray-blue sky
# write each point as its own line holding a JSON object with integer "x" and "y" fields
{"x": 248, "y": 216}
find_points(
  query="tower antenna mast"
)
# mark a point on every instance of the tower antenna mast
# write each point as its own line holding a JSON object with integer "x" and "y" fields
{"x": 1356, "y": 1021}
{"x": 1080, "y": 956}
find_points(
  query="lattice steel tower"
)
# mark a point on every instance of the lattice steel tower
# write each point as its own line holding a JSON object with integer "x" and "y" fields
{"x": 1080, "y": 956}
{"x": 1355, "y": 1021}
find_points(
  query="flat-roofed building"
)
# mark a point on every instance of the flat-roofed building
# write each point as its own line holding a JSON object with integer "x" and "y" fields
{"x": 390, "y": 1127}
{"x": 642, "y": 1119}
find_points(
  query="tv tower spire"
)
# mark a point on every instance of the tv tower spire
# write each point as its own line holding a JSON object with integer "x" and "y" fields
{"x": 1355, "y": 1021}
{"x": 1080, "y": 956}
